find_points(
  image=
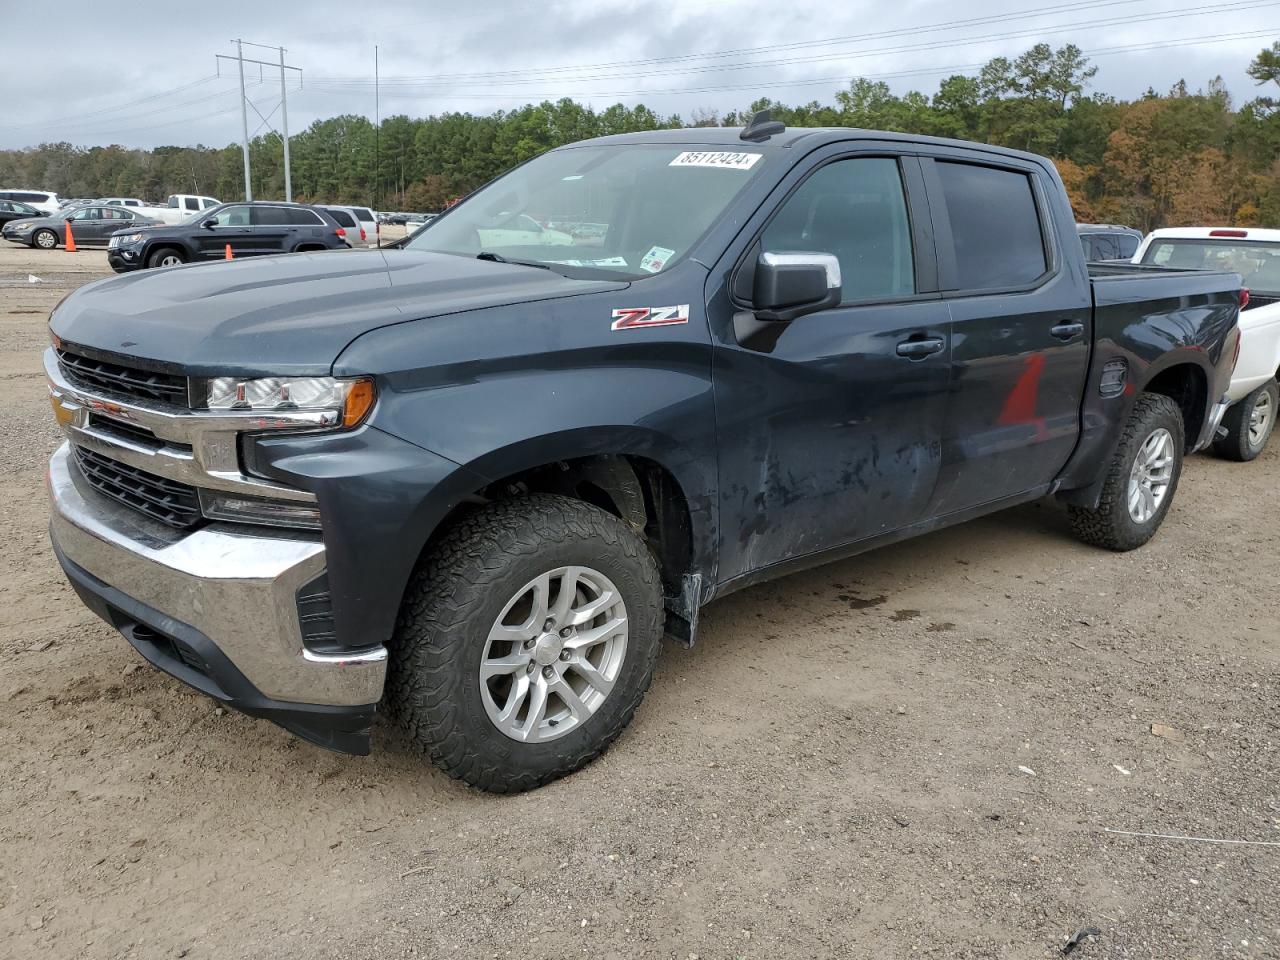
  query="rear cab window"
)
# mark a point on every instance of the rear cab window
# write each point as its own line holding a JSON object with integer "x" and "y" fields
{"x": 1257, "y": 261}
{"x": 995, "y": 226}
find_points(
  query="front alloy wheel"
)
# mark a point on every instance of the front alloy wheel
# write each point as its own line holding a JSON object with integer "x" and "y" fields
{"x": 526, "y": 640}
{"x": 554, "y": 654}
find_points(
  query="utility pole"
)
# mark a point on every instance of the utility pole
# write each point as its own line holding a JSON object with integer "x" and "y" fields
{"x": 377, "y": 136}
{"x": 245, "y": 103}
{"x": 284, "y": 131}
{"x": 244, "y": 124}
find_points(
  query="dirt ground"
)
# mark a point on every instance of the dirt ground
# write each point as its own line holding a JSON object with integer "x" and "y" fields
{"x": 914, "y": 753}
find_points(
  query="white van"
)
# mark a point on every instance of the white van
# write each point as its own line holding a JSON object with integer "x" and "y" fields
{"x": 40, "y": 199}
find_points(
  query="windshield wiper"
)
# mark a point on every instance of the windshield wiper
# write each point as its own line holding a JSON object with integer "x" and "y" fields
{"x": 499, "y": 258}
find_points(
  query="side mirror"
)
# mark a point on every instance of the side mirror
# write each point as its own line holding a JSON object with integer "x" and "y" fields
{"x": 789, "y": 285}
{"x": 209, "y": 224}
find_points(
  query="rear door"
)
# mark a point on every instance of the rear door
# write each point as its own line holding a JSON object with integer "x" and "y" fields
{"x": 113, "y": 219}
{"x": 273, "y": 229}
{"x": 829, "y": 425}
{"x": 1021, "y": 328}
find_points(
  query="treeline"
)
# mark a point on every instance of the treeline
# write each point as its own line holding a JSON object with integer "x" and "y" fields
{"x": 1173, "y": 158}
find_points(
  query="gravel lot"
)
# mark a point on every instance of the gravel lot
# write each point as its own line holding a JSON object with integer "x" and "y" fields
{"x": 914, "y": 753}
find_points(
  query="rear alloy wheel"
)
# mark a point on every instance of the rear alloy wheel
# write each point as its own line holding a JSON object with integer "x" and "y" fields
{"x": 167, "y": 257}
{"x": 45, "y": 239}
{"x": 1249, "y": 424}
{"x": 1140, "y": 481}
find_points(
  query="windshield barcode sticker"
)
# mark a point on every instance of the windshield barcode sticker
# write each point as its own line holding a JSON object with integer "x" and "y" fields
{"x": 723, "y": 160}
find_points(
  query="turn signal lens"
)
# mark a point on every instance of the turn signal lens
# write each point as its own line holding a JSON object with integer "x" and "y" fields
{"x": 360, "y": 397}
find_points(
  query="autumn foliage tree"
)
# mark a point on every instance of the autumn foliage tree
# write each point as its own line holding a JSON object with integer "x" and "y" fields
{"x": 1181, "y": 157}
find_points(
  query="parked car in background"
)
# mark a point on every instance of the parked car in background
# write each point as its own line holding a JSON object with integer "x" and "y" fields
{"x": 416, "y": 221}
{"x": 1105, "y": 241}
{"x": 368, "y": 220}
{"x": 347, "y": 220}
{"x": 1255, "y": 255}
{"x": 91, "y": 225}
{"x": 249, "y": 229}
{"x": 480, "y": 483}
{"x": 123, "y": 202}
{"x": 11, "y": 210}
{"x": 40, "y": 199}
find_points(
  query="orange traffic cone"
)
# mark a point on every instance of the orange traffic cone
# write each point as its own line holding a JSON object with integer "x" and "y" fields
{"x": 227, "y": 255}
{"x": 71, "y": 240}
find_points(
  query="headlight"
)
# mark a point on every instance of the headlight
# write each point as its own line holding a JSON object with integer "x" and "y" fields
{"x": 21, "y": 225}
{"x": 350, "y": 399}
{"x": 127, "y": 238}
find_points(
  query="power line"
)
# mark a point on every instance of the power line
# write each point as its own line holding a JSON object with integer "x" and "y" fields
{"x": 836, "y": 78}
{"x": 534, "y": 75}
{"x": 123, "y": 106}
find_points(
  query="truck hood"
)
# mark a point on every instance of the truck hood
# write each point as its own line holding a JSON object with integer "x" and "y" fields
{"x": 289, "y": 315}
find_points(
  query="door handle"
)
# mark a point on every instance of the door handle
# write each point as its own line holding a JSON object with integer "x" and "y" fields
{"x": 1068, "y": 330}
{"x": 919, "y": 349}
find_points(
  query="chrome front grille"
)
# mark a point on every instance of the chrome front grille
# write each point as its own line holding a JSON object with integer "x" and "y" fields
{"x": 125, "y": 380}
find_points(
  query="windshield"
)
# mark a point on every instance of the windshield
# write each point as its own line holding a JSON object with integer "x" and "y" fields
{"x": 1257, "y": 261}
{"x": 627, "y": 210}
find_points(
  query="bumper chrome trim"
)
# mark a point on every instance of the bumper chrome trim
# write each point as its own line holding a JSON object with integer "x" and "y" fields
{"x": 235, "y": 587}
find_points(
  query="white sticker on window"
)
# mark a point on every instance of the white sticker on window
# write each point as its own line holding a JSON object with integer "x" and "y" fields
{"x": 604, "y": 262}
{"x": 709, "y": 158}
{"x": 656, "y": 259}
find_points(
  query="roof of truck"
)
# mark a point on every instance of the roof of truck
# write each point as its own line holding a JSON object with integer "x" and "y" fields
{"x": 728, "y": 138}
{"x": 1217, "y": 233}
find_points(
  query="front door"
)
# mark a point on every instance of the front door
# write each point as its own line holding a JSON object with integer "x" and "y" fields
{"x": 232, "y": 227}
{"x": 829, "y": 425}
{"x": 1020, "y": 332}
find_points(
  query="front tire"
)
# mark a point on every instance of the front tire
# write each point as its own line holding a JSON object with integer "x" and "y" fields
{"x": 1249, "y": 424}
{"x": 165, "y": 257}
{"x": 526, "y": 640}
{"x": 1141, "y": 478}
{"x": 45, "y": 240}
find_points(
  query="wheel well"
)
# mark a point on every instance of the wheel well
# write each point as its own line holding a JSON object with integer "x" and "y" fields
{"x": 309, "y": 247}
{"x": 166, "y": 246}
{"x": 1186, "y": 385}
{"x": 639, "y": 491}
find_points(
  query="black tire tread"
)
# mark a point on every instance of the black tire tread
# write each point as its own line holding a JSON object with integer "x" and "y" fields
{"x": 1105, "y": 526}
{"x": 448, "y": 588}
{"x": 1235, "y": 445}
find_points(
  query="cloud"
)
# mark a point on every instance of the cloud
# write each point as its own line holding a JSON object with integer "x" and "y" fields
{"x": 137, "y": 75}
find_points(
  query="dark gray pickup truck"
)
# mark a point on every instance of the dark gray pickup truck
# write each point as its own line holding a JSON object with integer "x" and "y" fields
{"x": 477, "y": 479}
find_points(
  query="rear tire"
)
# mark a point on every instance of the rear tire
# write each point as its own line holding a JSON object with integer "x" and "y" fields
{"x": 1249, "y": 424}
{"x": 165, "y": 257}
{"x": 45, "y": 240}
{"x": 477, "y": 672}
{"x": 1141, "y": 478}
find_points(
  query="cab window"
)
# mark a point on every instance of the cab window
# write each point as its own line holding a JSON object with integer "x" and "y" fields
{"x": 855, "y": 209}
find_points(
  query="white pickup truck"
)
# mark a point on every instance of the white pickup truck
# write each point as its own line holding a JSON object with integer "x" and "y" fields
{"x": 1255, "y": 255}
{"x": 178, "y": 208}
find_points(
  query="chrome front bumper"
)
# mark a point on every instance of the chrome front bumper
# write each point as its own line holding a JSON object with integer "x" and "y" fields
{"x": 235, "y": 585}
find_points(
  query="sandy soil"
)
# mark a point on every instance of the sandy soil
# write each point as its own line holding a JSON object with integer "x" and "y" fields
{"x": 841, "y": 768}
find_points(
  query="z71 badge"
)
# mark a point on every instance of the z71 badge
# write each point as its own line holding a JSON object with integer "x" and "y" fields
{"x": 629, "y": 318}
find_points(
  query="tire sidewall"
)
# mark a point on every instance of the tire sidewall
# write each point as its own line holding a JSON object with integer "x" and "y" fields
{"x": 154, "y": 259}
{"x": 1247, "y": 449}
{"x": 439, "y": 645}
{"x": 1160, "y": 417}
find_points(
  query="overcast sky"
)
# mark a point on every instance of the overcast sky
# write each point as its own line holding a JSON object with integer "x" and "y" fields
{"x": 142, "y": 73}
